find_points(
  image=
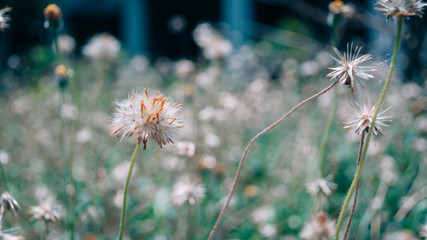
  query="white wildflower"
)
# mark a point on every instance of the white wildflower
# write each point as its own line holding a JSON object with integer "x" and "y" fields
{"x": 363, "y": 116}
{"x": 48, "y": 210}
{"x": 394, "y": 8}
{"x": 147, "y": 116}
{"x": 214, "y": 45}
{"x": 184, "y": 68}
{"x": 319, "y": 228}
{"x": 184, "y": 149}
{"x": 321, "y": 185}
{"x": 187, "y": 190}
{"x": 66, "y": 43}
{"x": 349, "y": 67}
{"x": 102, "y": 47}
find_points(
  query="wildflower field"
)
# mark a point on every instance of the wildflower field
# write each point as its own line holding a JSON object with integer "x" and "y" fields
{"x": 302, "y": 140}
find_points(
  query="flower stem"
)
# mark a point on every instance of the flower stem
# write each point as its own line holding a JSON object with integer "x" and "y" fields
{"x": 3, "y": 177}
{"x": 331, "y": 117}
{"x": 55, "y": 40}
{"x": 45, "y": 231}
{"x": 362, "y": 138}
{"x": 368, "y": 138}
{"x": 122, "y": 223}
{"x": 248, "y": 147}
{"x": 326, "y": 134}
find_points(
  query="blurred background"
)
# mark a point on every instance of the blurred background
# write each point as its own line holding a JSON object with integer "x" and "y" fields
{"x": 164, "y": 28}
{"x": 237, "y": 66}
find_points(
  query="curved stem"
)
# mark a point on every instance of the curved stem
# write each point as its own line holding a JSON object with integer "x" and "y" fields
{"x": 248, "y": 147}
{"x": 122, "y": 222}
{"x": 362, "y": 138}
{"x": 368, "y": 138}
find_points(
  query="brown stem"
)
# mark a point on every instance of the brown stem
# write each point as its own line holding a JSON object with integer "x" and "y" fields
{"x": 353, "y": 208}
{"x": 248, "y": 147}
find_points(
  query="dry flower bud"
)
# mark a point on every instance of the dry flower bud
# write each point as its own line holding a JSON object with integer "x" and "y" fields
{"x": 53, "y": 15}
{"x": 61, "y": 71}
{"x": 61, "y": 76}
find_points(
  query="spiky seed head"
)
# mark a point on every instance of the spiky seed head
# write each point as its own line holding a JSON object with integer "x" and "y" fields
{"x": 395, "y": 8}
{"x": 350, "y": 67}
{"x": 147, "y": 116}
{"x": 362, "y": 117}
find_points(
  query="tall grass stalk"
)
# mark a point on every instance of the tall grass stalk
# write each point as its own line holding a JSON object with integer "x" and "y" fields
{"x": 248, "y": 147}
{"x": 368, "y": 137}
{"x": 68, "y": 173}
{"x": 335, "y": 23}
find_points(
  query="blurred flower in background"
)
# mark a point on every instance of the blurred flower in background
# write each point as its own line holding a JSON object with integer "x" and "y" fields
{"x": 363, "y": 116}
{"x": 319, "y": 228}
{"x": 102, "y": 47}
{"x": 4, "y": 19}
{"x": 214, "y": 45}
{"x": 187, "y": 190}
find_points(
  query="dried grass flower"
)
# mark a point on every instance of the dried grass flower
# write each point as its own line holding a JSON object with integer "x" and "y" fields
{"x": 184, "y": 68}
{"x": 321, "y": 185}
{"x": 349, "y": 67}
{"x": 102, "y": 47}
{"x": 185, "y": 190}
{"x": 363, "y": 116}
{"x": 48, "y": 210}
{"x": 185, "y": 149}
{"x": 9, "y": 203}
{"x": 319, "y": 228}
{"x": 66, "y": 43}
{"x": 4, "y": 19}
{"x": 147, "y": 116}
{"x": 213, "y": 44}
{"x": 394, "y": 8}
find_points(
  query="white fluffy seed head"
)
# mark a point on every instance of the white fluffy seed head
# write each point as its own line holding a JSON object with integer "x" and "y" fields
{"x": 362, "y": 117}
{"x": 394, "y": 8}
{"x": 349, "y": 67}
{"x": 145, "y": 116}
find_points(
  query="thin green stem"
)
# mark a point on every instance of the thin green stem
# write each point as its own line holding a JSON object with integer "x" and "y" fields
{"x": 335, "y": 22}
{"x": 332, "y": 113}
{"x": 45, "y": 231}
{"x": 368, "y": 138}
{"x": 67, "y": 172}
{"x": 68, "y": 160}
{"x": 326, "y": 131}
{"x": 3, "y": 177}
{"x": 55, "y": 40}
{"x": 122, "y": 222}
